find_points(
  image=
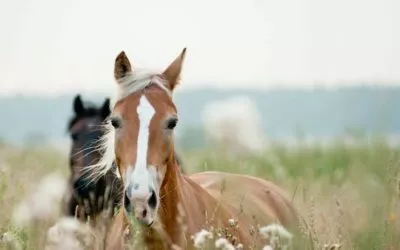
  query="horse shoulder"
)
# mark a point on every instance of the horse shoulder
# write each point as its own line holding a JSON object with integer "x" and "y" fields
{"x": 205, "y": 210}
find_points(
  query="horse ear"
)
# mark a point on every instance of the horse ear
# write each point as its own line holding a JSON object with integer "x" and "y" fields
{"x": 122, "y": 66}
{"x": 105, "y": 109}
{"x": 78, "y": 105}
{"x": 172, "y": 73}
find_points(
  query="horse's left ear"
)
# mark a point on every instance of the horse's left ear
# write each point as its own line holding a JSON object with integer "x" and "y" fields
{"x": 78, "y": 105}
{"x": 105, "y": 109}
{"x": 173, "y": 72}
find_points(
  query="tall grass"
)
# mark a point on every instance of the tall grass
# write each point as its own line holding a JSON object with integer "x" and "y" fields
{"x": 347, "y": 196}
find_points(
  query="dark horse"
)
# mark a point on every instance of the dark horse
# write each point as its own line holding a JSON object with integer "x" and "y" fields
{"x": 85, "y": 129}
{"x": 88, "y": 198}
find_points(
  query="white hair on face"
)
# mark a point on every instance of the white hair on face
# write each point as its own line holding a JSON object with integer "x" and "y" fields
{"x": 132, "y": 82}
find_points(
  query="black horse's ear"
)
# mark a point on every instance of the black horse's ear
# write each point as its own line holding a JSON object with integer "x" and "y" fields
{"x": 78, "y": 105}
{"x": 105, "y": 109}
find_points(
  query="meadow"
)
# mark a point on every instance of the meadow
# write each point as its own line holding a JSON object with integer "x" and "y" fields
{"x": 347, "y": 195}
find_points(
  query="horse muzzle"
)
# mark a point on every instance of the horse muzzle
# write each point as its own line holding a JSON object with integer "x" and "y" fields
{"x": 141, "y": 208}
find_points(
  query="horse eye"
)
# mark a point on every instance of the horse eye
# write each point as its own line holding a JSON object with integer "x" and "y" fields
{"x": 171, "y": 123}
{"x": 116, "y": 122}
{"x": 74, "y": 136}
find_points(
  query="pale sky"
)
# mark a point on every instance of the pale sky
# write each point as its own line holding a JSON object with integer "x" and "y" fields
{"x": 54, "y": 47}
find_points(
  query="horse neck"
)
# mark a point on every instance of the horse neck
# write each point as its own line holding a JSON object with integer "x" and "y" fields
{"x": 177, "y": 208}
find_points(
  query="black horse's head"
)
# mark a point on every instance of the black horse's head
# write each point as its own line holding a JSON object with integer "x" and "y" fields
{"x": 85, "y": 129}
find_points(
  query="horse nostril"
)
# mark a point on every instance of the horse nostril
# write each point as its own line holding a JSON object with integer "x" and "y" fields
{"x": 144, "y": 213}
{"x": 153, "y": 200}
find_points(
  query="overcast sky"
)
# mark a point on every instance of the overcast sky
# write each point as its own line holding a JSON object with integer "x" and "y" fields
{"x": 53, "y": 46}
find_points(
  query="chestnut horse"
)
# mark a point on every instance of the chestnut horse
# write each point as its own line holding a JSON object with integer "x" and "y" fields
{"x": 169, "y": 206}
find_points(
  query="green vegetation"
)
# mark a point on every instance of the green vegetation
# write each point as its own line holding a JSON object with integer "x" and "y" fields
{"x": 345, "y": 195}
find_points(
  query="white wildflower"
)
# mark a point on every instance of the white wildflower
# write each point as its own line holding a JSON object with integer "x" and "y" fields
{"x": 40, "y": 204}
{"x": 201, "y": 237}
{"x": 267, "y": 247}
{"x": 332, "y": 246}
{"x": 239, "y": 246}
{"x": 275, "y": 230}
{"x": 277, "y": 236}
{"x": 232, "y": 222}
{"x": 68, "y": 233}
{"x": 8, "y": 239}
{"x": 223, "y": 244}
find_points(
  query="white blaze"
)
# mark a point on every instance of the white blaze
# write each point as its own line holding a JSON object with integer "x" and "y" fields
{"x": 140, "y": 179}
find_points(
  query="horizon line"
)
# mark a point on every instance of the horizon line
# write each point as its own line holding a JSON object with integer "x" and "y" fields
{"x": 316, "y": 85}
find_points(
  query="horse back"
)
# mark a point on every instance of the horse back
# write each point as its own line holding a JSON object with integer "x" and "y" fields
{"x": 250, "y": 197}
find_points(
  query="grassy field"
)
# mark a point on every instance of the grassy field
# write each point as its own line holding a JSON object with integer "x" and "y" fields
{"x": 346, "y": 195}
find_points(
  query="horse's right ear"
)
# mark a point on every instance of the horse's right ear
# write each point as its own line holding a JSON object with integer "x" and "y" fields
{"x": 122, "y": 66}
{"x": 78, "y": 105}
{"x": 173, "y": 72}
